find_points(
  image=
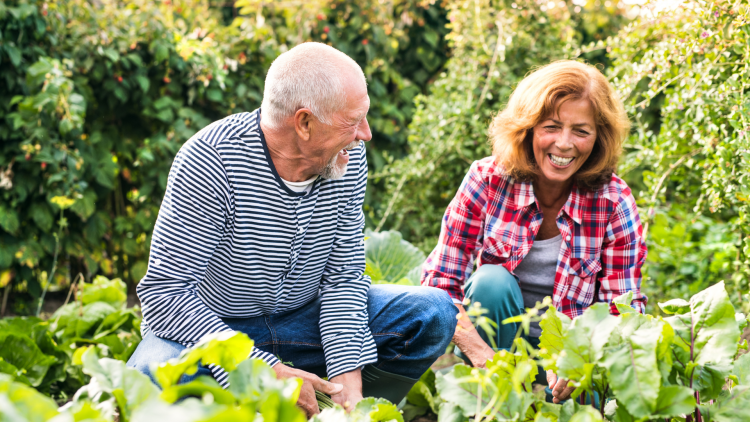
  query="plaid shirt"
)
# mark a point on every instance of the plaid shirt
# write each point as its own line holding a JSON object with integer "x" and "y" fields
{"x": 497, "y": 218}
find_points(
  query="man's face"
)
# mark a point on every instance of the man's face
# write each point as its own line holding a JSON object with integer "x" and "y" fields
{"x": 349, "y": 128}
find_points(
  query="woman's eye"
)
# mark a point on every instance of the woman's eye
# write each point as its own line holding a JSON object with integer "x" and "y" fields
{"x": 583, "y": 133}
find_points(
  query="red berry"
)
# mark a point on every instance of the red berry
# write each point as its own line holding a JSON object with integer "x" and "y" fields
{"x": 119, "y": 79}
{"x": 364, "y": 42}
{"x": 209, "y": 76}
{"x": 44, "y": 166}
{"x": 326, "y": 29}
{"x": 27, "y": 157}
{"x": 166, "y": 80}
{"x": 44, "y": 13}
{"x": 321, "y": 16}
{"x": 226, "y": 67}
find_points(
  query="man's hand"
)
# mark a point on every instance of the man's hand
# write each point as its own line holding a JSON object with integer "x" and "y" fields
{"x": 351, "y": 394}
{"x": 468, "y": 341}
{"x": 559, "y": 387}
{"x": 310, "y": 384}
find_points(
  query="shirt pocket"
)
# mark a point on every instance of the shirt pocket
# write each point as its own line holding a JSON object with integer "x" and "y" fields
{"x": 495, "y": 252}
{"x": 582, "y": 273}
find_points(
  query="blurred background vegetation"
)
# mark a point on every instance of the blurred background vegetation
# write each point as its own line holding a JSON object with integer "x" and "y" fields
{"x": 97, "y": 97}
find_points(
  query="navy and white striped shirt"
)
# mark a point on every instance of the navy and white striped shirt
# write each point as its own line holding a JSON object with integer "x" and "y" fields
{"x": 232, "y": 240}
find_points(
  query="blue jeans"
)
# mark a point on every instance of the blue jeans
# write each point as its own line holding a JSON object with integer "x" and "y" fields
{"x": 412, "y": 327}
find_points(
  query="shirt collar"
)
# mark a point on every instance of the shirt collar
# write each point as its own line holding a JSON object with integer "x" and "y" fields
{"x": 523, "y": 196}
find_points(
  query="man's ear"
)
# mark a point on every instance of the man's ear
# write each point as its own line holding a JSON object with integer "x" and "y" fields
{"x": 303, "y": 121}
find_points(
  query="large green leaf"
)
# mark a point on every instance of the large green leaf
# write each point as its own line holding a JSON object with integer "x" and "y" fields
{"x": 554, "y": 326}
{"x": 632, "y": 365}
{"x": 23, "y": 354}
{"x": 23, "y": 404}
{"x": 424, "y": 392}
{"x": 390, "y": 258}
{"x": 377, "y": 410}
{"x": 741, "y": 369}
{"x": 461, "y": 386}
{"x": 72, "y": 320}
{"x": 583, "y": 345}
{"x": 706, "y": 340}
{"x": 129, "y": 388}
{"x": 732, "y": 407}
{"x": 226, "y": 349}
{"x": 102, "y": 289}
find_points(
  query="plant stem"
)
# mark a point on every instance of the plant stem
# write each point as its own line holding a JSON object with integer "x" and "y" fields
{"x": 698, "y": 416}
{"x": 6, "y": 293}
{"x": 51, "y": 274}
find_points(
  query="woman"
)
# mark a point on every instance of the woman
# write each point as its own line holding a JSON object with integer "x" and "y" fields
{"x": 546, "y": 214}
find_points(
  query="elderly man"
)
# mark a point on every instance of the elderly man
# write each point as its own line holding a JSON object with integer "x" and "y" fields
{"x": 260, "y": 231}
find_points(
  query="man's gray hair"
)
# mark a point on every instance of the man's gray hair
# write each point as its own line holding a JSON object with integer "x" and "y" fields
{"x": 309, "y": 75}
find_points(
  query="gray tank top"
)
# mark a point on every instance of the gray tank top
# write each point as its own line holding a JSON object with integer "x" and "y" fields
{"x": 536, "y": 274}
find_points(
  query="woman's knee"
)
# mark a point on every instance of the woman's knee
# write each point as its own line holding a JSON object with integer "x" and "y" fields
{"x": 492, "y": 283}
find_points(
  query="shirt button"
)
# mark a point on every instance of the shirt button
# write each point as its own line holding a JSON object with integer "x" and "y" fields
{"x": 299, "y": 229}
{"x": 567, "y": 238}
{"x": 157, "y": 262}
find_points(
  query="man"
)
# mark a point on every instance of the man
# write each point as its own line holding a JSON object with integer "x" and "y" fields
{"x": 260, "y": 231}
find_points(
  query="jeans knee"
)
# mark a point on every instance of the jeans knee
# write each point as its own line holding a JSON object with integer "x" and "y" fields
{"x": 440, "y": 313}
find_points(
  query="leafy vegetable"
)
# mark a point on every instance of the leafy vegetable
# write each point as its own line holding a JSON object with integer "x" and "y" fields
{"x": 391, "y": 259}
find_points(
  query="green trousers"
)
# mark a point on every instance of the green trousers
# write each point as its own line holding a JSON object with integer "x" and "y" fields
{"x": 498, "y": 291}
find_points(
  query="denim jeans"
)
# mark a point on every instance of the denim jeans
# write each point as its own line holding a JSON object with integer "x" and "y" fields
{"x": 412, "y": 327}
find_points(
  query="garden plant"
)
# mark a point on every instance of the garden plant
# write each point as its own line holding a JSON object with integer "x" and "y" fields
{"x": 96, "y": 98}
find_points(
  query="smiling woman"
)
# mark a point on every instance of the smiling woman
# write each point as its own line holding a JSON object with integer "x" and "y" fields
{"x": 545, "y": 215}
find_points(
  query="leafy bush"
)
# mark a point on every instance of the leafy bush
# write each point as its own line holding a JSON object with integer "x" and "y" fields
{"x": 685, "y": 76}
{"x": 120, "y": 393}
{"x": 391, "y": 259}
{"x": 643, "y": 368}
{"x": 96, "y": 98}
{"x": 495, "y": 44}
{"x": 46, "y": 354}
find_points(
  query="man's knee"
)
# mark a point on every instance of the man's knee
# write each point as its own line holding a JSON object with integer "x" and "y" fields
{"x": 153, "y": 349}
{"x": 439, "y": 313}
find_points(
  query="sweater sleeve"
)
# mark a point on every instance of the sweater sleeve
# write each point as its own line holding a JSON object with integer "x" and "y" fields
{"x": 191, "y": 222}
{"x": 348, "y": 343}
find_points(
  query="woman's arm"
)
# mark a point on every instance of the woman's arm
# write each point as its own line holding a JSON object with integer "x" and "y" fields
{"x": 623, "y": 254}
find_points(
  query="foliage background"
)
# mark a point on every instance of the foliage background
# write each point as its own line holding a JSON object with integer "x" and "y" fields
{"x": 96, "y": 98}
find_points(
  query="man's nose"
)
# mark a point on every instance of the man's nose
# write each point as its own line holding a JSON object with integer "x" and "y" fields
{"x": 363, "y": 131}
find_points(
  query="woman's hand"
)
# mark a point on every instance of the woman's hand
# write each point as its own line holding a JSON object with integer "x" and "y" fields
{"x": 559, "y": 387}
{"x": 310, "y": 383}
{"x": 468, "y": 341}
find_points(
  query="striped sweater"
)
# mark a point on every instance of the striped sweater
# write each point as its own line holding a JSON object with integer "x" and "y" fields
{"x": 232, "y": 240}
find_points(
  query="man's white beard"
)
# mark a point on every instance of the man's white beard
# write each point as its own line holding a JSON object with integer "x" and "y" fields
{"x": 333, "y": 170}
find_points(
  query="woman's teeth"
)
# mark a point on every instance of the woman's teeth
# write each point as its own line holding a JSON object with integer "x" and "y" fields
{"x": 560, "y": 161}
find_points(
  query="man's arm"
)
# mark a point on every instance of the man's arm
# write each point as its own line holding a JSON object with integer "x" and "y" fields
{"x": 191, "y": 222}
{"x": 344, "y": 324}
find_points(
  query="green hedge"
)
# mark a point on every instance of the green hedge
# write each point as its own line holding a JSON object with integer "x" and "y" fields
{"x": 96, "y": 98}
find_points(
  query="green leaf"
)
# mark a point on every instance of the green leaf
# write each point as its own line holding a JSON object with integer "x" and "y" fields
{"x": 42, "y": 216}
{"x": 22, "y": 352}
{"x": 378, "y": 410}
{"x": 451, "y": 412}
{"x": 226, "y": 349}
{"x": 424, "y": 392}
{"x": 21, "y": 403}
{"x": 731, "y": 407}
{"x": 632, "y": 366}
{"x": 706, "y": 340}
{"x": 461, "y": 385}
{"x": 741, "y": 369}
{"x": 391, "y": 257}
{"x": 85, "y": 207}
{"x": 675, "y": 306}
{"x": 674, "y": 400}
{"x": 554, "y": 326}
{"x": 128, "y": 386}
{"x": 9, "y": 220}
{"x": 198, "y": 387}
{"x": 586, "y": 414}
{"x": 623, "y": 303}
{"x": 102, "y": 289}
{"x": 584, "y": 343}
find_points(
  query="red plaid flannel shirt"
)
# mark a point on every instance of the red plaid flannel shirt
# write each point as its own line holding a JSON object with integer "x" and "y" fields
{"x": 497, "y": 218}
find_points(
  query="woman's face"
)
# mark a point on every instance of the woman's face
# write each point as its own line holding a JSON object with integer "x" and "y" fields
{"x": 562, "y": 143}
